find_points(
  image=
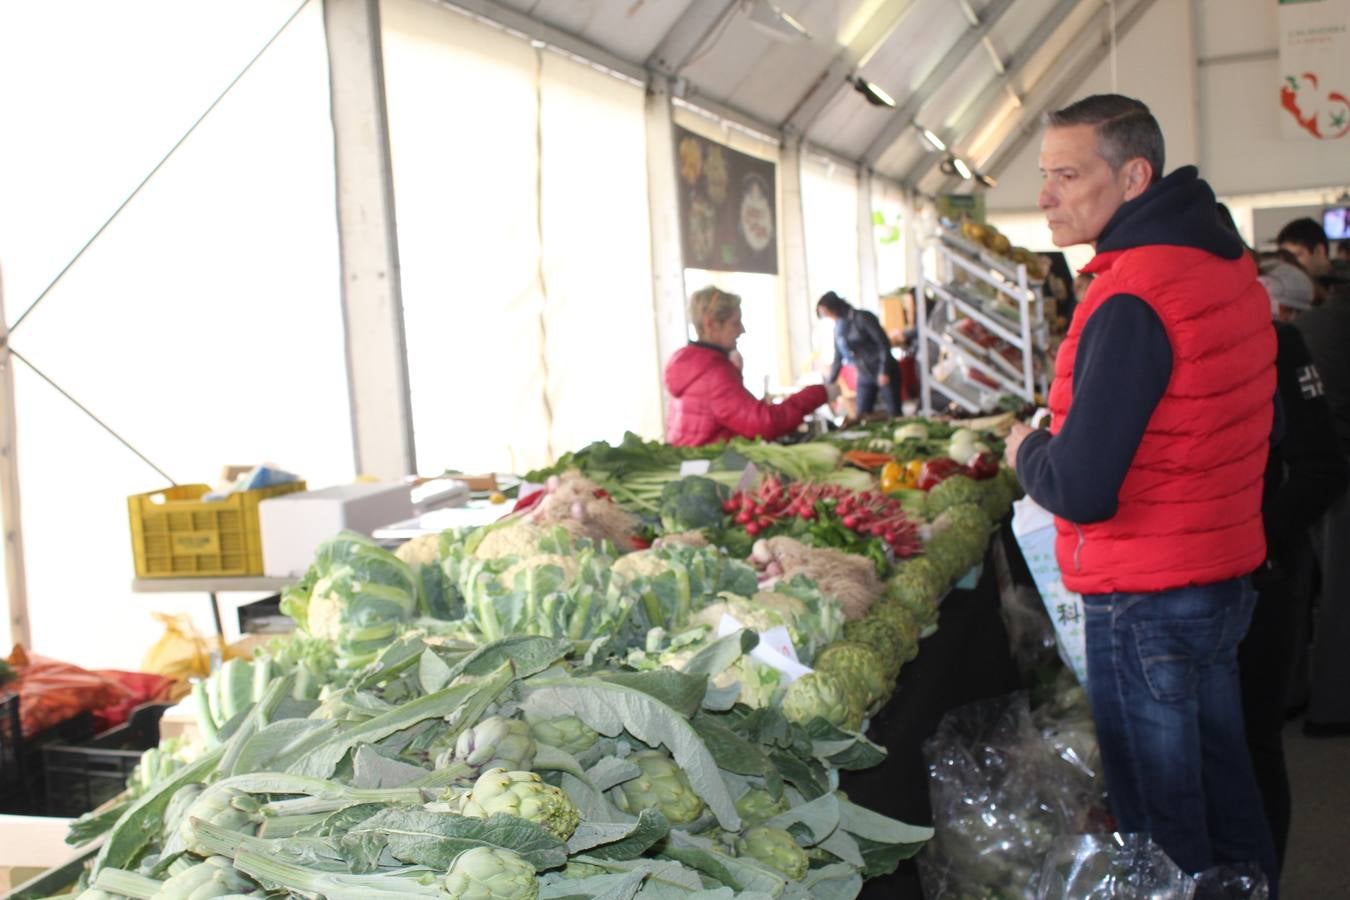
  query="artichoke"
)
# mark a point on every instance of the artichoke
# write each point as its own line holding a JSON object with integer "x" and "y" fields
{"x": 490, "y": 873}
{"x": 494, "y": 743}
{"x": 951, "y": 491}
{"x": 224, "y": 807}
{"x": 575, "y": 869}
{"x": 757, "y": 806}
{"x": 216, "y": 877}
{"x": 776, "y": 849}
{"x": 917, "y": 582}
{"x": 524, "y": 795}
{"x": 947, "y": 554}
{"x": 904, "y": 621}
{"x": 825, "y": 696}
{"x": 662, "y": 785}
{"x": 567, "y": 733}
{"x": 883, "y": 636}
{"x": 858, "y": 661}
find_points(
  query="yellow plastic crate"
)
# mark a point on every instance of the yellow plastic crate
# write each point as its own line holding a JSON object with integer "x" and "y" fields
{"x": 174, "y": 534}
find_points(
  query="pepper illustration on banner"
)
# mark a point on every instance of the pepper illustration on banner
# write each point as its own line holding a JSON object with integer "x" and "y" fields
{"x": 1325, "y": 116}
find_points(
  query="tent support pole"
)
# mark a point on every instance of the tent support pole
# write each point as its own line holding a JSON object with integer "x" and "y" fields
{"x": 16, "y": 580}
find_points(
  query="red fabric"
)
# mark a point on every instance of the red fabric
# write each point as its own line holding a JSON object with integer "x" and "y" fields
{"x": 141, "y": 687}
{"x": 50, "y": 692}
{"x": 710, "y": 404}
{"x": 1189, "y": 509}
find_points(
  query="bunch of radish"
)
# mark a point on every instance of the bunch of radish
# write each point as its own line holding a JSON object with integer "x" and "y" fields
{"x": 869, "y": 513}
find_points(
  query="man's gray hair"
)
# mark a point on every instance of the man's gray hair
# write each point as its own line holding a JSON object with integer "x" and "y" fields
{"x": 1125, "y": 129}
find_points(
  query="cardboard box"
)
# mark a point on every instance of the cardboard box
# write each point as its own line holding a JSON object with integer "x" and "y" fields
{"x": 294, "y": 525}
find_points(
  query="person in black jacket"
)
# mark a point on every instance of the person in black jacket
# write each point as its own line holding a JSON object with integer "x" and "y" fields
{"x": 1305, "y": 473}
{"x": 858, "y": 335}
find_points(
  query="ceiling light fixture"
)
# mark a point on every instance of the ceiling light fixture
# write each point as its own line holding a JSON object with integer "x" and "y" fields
{"x": 988, "y": 181}
{"x": 875, "y": 95}
{"x": 774, "y": 22}
{"x": 961, "y": 168}
{"x": 933, "y": 140}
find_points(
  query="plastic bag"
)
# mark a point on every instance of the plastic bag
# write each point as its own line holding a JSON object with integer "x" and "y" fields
{"x": 1034, "y": 530}
{"x": 1133, "y": 867}
{"x": 1111, "y": 867}
{"x": 180, "y": 653}
{"x": 1031, "y": 636}
{"x": 1004, "y": 784}
{"x": 50, "y": 692}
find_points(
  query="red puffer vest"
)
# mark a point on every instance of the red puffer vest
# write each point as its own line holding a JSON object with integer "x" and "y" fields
{"x": 1189, "y": 509}
{"x": 709, "y": 403}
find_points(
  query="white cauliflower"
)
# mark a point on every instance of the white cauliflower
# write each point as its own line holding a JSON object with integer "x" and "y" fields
{"x": 420, "y": 551}
{"x": 642, "y": 564}
{"x": 520, "y": 538}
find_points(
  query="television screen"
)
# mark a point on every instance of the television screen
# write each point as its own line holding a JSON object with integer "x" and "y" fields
{"x": 1336, "y": 223}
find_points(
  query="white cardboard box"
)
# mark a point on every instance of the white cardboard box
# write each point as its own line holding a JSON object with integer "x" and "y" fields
{"x": 294, "y": 525}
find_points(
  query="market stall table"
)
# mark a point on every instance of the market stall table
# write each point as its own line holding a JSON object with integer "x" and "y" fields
{"x": 968, "y": 659}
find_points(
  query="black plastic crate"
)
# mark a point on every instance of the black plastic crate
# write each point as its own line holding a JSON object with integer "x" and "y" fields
{"x": 13, "y": 777}
{"x": 81, "y": 777}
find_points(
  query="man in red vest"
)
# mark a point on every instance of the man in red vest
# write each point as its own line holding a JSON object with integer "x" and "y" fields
{"x": 1162, "y": 411}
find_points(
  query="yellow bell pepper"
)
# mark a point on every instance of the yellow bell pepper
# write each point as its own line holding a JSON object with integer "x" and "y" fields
{"x": 892, "y": 477}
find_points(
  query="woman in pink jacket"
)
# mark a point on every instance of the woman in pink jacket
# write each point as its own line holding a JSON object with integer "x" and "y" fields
{"x": 709, "y": 403}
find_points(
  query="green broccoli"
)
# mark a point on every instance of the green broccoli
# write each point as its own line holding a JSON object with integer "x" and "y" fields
{"x": 691, "y": 503}
{"x": 951, "y": 491}
{"x": 917, "y": 583}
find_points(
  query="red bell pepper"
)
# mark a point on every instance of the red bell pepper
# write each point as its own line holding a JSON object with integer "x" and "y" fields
{"x": 982, "y": 467}
{"x": 938, "y": 470}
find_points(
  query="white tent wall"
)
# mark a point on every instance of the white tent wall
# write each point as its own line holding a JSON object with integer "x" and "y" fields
{"x": 203, "y": 325}
{"x": 1209, "y": 70}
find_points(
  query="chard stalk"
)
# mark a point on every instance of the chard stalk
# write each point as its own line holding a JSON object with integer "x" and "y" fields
{"x": 270, "y": 871}
{"x": 128, "y": 884}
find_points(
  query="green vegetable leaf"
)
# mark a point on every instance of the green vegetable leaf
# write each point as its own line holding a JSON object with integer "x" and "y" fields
{"x": 819, "y": 817}
{"x": 465, "y": 701}
{"x": 808, "y": 777}
{"x": 280, "y": 744}
{"x": 552, "y": 759}
{"x": 721, "y": 654}
{"x": 741, "y": 873}
{"x": 610, "y": 708}
{"x": 835, "y": 882}
{"x": 681, "y": 692}
{"x": 843, "y": 749}
{"x": 372, "y": 770}
{"x": 141, "y": 823}
{"x": 529, "y": 654}
{"x": 594, "y": 807}
{"x": 733, "y": 752}
{"x": 620, "y": 840}
{"x": 433, "y": 673}
{"x": 596, "y": 887}
{"x": 843, "y": 845}
{"x": 435, "y": 839}
{"x": 875, "y": 827}
{"x": 611, "y": 772}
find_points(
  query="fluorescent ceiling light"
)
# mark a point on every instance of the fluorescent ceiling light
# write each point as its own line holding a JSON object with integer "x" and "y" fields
{"x": 934, "y": 141}
{"x": 961, "y": 168}
{"x": 774, "y": 22}
{"x": 875, "y": 95}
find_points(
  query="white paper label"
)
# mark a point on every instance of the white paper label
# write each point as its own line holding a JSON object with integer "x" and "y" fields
{"x": 748, "y": 478}
{"x": 695, "y": 467}
{"x": 774, "y": 648}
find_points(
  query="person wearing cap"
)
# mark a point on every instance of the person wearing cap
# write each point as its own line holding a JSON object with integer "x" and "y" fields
{"x": 1304, "y": 475}
{"x": 1325, "y": 330}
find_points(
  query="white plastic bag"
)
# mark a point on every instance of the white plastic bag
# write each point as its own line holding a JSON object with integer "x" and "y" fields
{"x": 1034, "y": 529}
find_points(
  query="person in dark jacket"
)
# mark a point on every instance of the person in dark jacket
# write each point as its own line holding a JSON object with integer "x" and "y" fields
{"x": 1162, "y": 410}
{"x": 859, "y": 337}
{"x": 1326, "y": 331}
{"x": 709, "y": 402}
{"x": 1304, "y": 476}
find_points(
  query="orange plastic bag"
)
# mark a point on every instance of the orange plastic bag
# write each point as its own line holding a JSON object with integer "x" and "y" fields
{"x": 51, "y": 692}
{"x": 180, "y": 653}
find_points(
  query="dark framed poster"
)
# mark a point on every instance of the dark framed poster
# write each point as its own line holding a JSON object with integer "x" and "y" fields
{"x": 728, "y": 207}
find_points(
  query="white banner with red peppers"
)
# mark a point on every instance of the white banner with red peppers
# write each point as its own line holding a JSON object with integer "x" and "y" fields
{"x": 1315, "y": 69}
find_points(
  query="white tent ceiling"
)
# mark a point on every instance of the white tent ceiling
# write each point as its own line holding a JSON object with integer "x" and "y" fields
{"x": 973, "y": 71}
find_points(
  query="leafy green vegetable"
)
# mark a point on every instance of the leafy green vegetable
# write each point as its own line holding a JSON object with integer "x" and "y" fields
{"x": 691, "y": 504}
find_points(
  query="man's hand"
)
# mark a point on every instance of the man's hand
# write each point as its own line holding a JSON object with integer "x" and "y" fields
{"x": 883, "y": 379}
{"x": 1018, "y": 434}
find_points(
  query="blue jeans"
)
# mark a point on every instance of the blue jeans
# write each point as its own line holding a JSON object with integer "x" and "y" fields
{"x": 1163, "y": 680}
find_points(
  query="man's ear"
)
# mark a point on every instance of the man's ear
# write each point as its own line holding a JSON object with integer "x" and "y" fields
{"x": 1138, "y": 174}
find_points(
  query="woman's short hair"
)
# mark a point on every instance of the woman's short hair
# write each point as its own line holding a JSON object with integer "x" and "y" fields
{"x": 711, "y": 303}
{"x": 834, "y": 303}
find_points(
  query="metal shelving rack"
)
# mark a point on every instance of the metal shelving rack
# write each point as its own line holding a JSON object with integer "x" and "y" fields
{"x": 940, "y": 341}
